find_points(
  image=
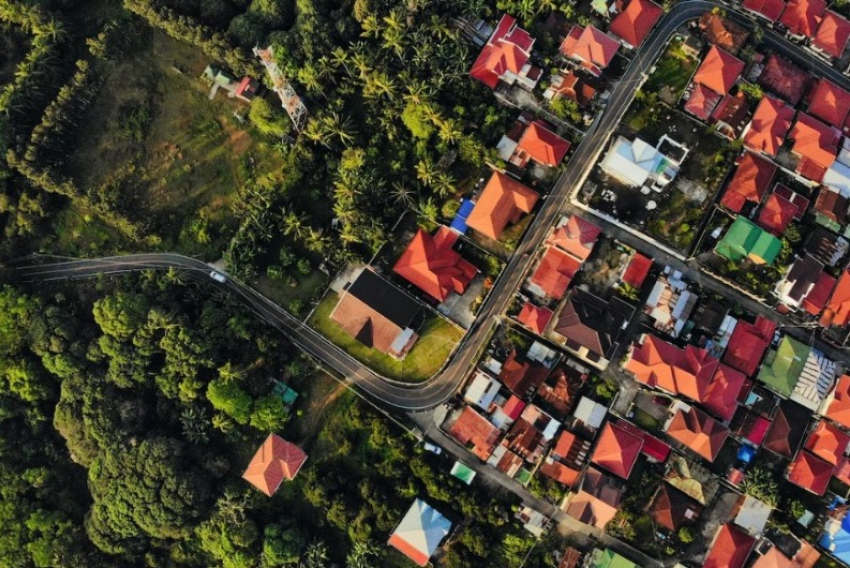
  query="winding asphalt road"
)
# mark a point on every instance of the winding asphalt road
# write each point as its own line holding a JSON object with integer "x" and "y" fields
{"x": 422, "y": 396}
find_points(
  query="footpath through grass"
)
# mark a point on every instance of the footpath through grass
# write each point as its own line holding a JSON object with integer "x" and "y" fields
{"x": 437, "y": 338}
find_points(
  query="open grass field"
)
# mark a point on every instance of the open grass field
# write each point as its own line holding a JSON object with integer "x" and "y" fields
{"x": 437, "y": 338}
{"x": 171, "y": 157}
{"x": 14, "y": 45}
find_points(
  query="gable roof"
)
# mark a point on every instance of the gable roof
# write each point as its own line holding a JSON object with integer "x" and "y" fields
{"x": 749, "y": 183}
{"x": 617, "y": 450}
{"x": 719, "y": 70}
{"x": 770, "y": 9}
{"x": 502, "y": 201}
{"x": 702, "y": 101}
{"x": 748, "y": 343}
{"x": 830, "y": 103}
{"x": 420, "y": 532}
{"x": 802, "y": 17}
{"x": 722, "y": 31}
{"x": 430, "y": 264}
{"x": 698, "y": 431}
{"x": 787, "y": 429}
{"x": 810, "y": 472}
{"x": 635, "y": 22}
{"x": 804, "y": 557}
{"x": 577, "y": 237}
{"x": 815, "y": 143}
{"x": 837, "y": 311}
{"x": 816, "y": 299}
{"x": 275, "y": 460}
{"x": 472, "y": 428}
{"x": 555, "y": 272}
{"x": 590, "y": 45}
{"x": 838, "y": 408}
{"x": 776, "y": 213}
{"x": 670, "y": 508}
{"x": 832, "y": 34}
{"x": 832, "y": 205}
{"x": 521, "y": 376}
{"x": 746, "y": 240}
{"x": 534, "y": 317}
{"x": 542, "y": 145}
{"x": 730, "y": 548}
{"x": 508, "y": 49}
{"x": 828, "y": 442}
{"x": 769, "y": 126}
{"x": 591, "y": 322}
{"x": 784, "y": 78}
{"x": 597, "y": 501}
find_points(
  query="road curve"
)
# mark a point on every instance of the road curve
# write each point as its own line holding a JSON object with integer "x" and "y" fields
{"x": 439, "y": 388}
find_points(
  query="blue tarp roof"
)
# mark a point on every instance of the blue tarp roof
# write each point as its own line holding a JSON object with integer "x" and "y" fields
{"x": 459, "y": 222}
{"x": 746, "y": 454}
{"x": 838, "y": 543}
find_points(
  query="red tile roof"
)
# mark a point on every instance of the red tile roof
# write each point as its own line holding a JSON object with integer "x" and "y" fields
{"x": 590, "y": 45}
{"x": 635, "y": 22}
{"x": 560, "y": 472}
{"x": 702, "y": 102}
{"x": 719, "y": 70}
{"x": 837, "y": 311}
{"x": 503, "y": 201}
{"x": 699, "y": 432}
{"x": 513, "y": 407}
{"x": 802, "y": 17}
{"x": 521, "y": 377}
{"x": 473, "y": 429}
{"x": 617, "y": 450}
{"x": 785, "y": 79}
{"x": 274, "y": 461}
{"x": 816, "y": 299}
{"x": 430, "y": 264}
{"x": 730, "y": 548}
{"x": 770, "y": 9}
{"x": 722, "y": 32}
{"x": 670, "y": 507}
{"x": 747, "y": 345}
{"x": 830, "y": 103}
{"x": 832, "y": 35}
{"x": 542, "y": 145}
{"x": 749, "y": 183}
{"x": 828, "y": 442}
{"x": 776, "y": 214}
{"x": 839, "y": 407}
{"x": 577, "y": 237}
{"x": 637, "y": 270}
{"x": 508, "y": 49}
{"x": 810, "y": 472}
{"x": 815, "y": 143}
{"x": 555, "y": 272}
{"x": 652, "y": 446}
{"x": 769, "y": 127}
{"x": 534, "y": 317}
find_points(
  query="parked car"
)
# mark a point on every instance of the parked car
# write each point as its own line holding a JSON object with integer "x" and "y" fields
{"x": 218, "y": 276}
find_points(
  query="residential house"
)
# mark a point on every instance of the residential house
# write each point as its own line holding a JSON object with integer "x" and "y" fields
{"x": 275, "y": 461}
{"x": 617, "y": 450}
{"x": 671, "y": 509}
{"x": 731, "y": 115}
{"x": 635, "y": 163}
{"x": 805, "y": 286}
{"x": 815, "y": 145}
{"x": 534, "y": 317}
{"x": 653, "y": 448}
{"x": 802, "y": 17}
{"x": 553, "y": 274}
{"x": 482, "y": 390}
{"x": 576, "y": 236}
{"x": 245, "y": 89}
{"x": 777, "y": 213}
{"x": 784, "y": 79}
{"x": 830, "y": 103}
{"x": 831, "y": 209}
{"x": 432, "y": 265}
{"x": 633, "y": 24}
{"x": 590, "y": 413}
{"x": 770, "y": 10}
{"x": 502, "y": 202}
{"x": 537, "y": 144}
{"x": 750, "y": 426}
{"x": 837, "y": 310}
{"x": 792, "y": 553}
{"x": 598, "y": 500}
{"x": 810, "y": 472}
{"x": 696, "y": 431}
{"x": 748, "y": 343}
{"x": 787, "y": 430}
{"x": 565, "y": 461}
{"x": 831, "y": 37}
{"x": 729, "y": 549}
{"x": 827, "y": 247}
{"x": 769, "y": 127}
{"x": 828, "y": 442}
{"x": 692, "y": 479}
{"x": 751, "y": 514}
{"x": 835, "y": 539}
{"x": 475, "y": 432}
{"x": 636, "y": 271}
{"x": 799, "y": 372}
{"x": 420, "y": 532}
{"x": 608, "y": 558}
{"x": 722, "y": 32}
{"x": 745, "y": 240}
{"x": 572, "y": 87}
{"x": 836, "y": 406}
{"x": 749, "y": 182}
{"x": 714, "y": 78}
{"x": 505, "y": 57}
{"x": 378, "y": 314}
{"x": 522, "y": 377}
{"x": 592, "y": 49}
{"x": 558, "y": 393}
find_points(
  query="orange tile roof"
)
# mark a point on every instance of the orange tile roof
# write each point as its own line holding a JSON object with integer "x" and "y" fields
{"x": 810, "y": 472}
{"x": 560, "y": 472}
{"x": 832, "y": 35}
{"x": 534, "y": 317}
{"x": 776, "y": 214}
{"x": 555, "y": 272}
{"x": 830, "y": 103}
{"x": 818, "y": 296}
{"x": 730, "y": 548}
{"x": 702, "y": 102}
{"x": 719, "y": 70}
{"x": 577, "y": 237}
{"x": 722, "y": 31}
{"x": 839, "y": 407}
{"x": 770, "y": 9}
{"x": 503, "y": 201}
{"x": 508, "y": 49}
{"x": 542, "y": 145}
{"x": 837, "y": 311}
{"x": 699, "y": 432}
{"x": 635, "y": 22}
{"x": 590, "y": 45}
{"x": 749, "y": 183}
{"x": 769, "y": 127}
{"x": 815, "y": 143}
{"x": 472, "y": 428}
{"x": 430, "y": 264}
{"x": 802, "y": 17}
{"x": 827, "y": 442}
{"x": 521, "y": 377}
{"x": 617, "y": 450}
{"x": 274, "y": 461}
{"x": 669, "y": 507}
{"x": 747, "y": 345}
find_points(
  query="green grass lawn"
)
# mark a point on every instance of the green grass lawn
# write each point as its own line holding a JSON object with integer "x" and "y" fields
{"x": 437, "y": 338}
{"x": 672, "y": 72}
{"x": 306, "y": 289}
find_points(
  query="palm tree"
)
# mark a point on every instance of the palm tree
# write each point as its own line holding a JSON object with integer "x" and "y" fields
{"x": 51, "y": 29}
{"x": 194, "y": 422}
{"x": 315, "y": 555}
{"x": 293, "y": 224}
{"x": 443, "y": 184}
{"x": 229, "y": 373}
{"x": 371, "y": 26}
{"x": 428, "y": 209}
{"x": 339, "y": 127}
{"x": 318, "y": 241}
{"x": 449, "y": 132}
{"x": 402, "y": 194}
{"x": 425, "y": 171}
{"x": 360, "y": 555}
{"x": 224, "y": 423}
{"x": 340, "y": 58}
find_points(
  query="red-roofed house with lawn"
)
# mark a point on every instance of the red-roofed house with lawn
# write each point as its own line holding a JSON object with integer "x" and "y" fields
{"x": 636, "y": 270}
{"x": 505, "y": 57}
{"x": 431, "y": 264}
{"x": 534, "y": 317}
{"x": 617, "y": 450}
{"x": 577, "y": 236}
{"x": 503, "y": 201}
{"x": 592, "y": 49}
{"x": 769, "y": 126}
{"x": 830, "y": 103}
{"x": 815, "y": 146}
{"x": 748, "y": 343}
{"x": 729, "y": 549}
{"x": 802, "y": 17}
{"x": 832, "y": 35}
{"x": 828, "y": 442}
{"x": 785, "y": 79}
{"x": 769, "y": 9}
{"x": 540, "y": 145}
{"x": 633, "y": 24}
{"x": 810, "y": 473}
{"x": 554, "y": 274}
{"x": 837, "y": 310}
{"x": 275, "y": 461}
{"x": 697, "y": 431}
{"x": 836, "y": 406}
{"x": 749, "y": 183}
{"x": 776, "y": 214}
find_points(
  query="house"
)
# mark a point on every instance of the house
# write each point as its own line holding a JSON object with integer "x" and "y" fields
{"x": 831, "y": 208}
{"x": 815, "y": 144}
{"x": 787, "y": 429}
{"x": 378, "y": 314}
{"x": 432, "y": 265}
{"x": 828, "y": 248}
{"x": 572, "y": 87}
{"x": 475, "y": 432}
{"x": 836, "y": 406}
{"x": 505, "y": 56}
{"x": 830, "y": 103}
{"x": 534, "y": 317}
{"x": 746, "y": 240}
{"x": 784, "y": 365}
{"x": 835, "y": 539}
{"x": 502, "y": 202}
{"x": 805, "y": 286}
{"x": 537, "y": 144}
{"x": 769, "y": 127}
{"x": 729, "y": 549}
{"x": 565, "y": 460}
{"x": 653, "y": 448}
{"x": 776, "y": 214}
{"x": 719, "y": 70}
{"x": 245, "y": 89}
{"x": 636, "y": 270}
{"x": 731, "y": 114}
{"x": 635, "y": 163}
{"x": 784, "y": 79}
{"x": 722, "y": 32}
{"x": 524, "y": 440}
{"x": 420, "y": 532}
{"x": 617, "y": 450}
{"x": 534, "y": 521}
{"x": 608, "y": 559}
{"x": 590, "y": 413}
{"x": 576, "y": 236}
{"x": 590, "y": 327}
{"x": 692, "y": 479}
{"x": 770, "y": 10}
{"x": 670, "y": 508}
{"x": 750, "y": 426}
{"x": 521, "y": 377}
{"x": 633, "y": 24}
{"x": 558, "y": 393}
{"x": 828, "y": 442}
{"x": 275, "y": 461}
{"x": 749, "y": 183}
{"x": 748, "y": 343}
{"x": 570, "y": 558}
{"x": 837, "y": 310}
{"x": 553, "y": 274}
{"x": 670, "y": 304}
{"x": 793, "y": 553}
{"x": 751, "y": 514}
{"x": 482, "y": 390}
{"x": 592, "y": 49}
{"x": 802, "y": 17}
{"x": 598, "y": 500}
{"x": 832, "y": 34}
{"x": 696, "y": 431}
{"x": 810, "y": 472}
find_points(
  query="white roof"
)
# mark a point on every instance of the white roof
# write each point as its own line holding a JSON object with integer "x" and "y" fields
{"x": 422, "y": 528}
{"x": 631, "y": 162}
{"x": 590, "y": 412}
{"x": 753, "y": 515}
{"x": 815, "y": 382}
{"x": 837, "y": 178}
{"x": 482, "y": 390}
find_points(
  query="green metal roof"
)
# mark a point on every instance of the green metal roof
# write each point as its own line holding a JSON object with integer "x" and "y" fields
{"x": 610, "y": 559}
{"x": 744, "y": 239}
{"x": 463, "y": 472}
{"x": 783, "y": 365}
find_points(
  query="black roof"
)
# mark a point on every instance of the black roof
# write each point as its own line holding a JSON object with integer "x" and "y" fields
{"x": 385, "y": 298}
